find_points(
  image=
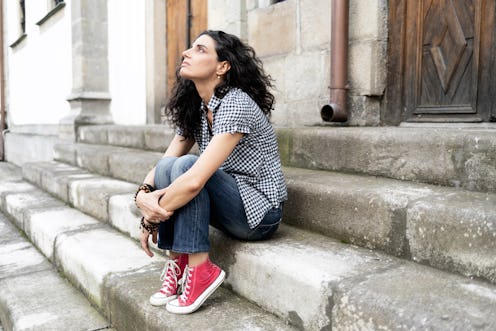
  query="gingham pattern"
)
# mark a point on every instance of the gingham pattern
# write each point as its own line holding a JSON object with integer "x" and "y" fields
{"x": 254, "y": 162}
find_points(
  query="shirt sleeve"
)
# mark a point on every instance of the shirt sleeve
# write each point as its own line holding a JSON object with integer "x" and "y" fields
{"x": 235, "y": 114}
{"x": 179, "y": 131}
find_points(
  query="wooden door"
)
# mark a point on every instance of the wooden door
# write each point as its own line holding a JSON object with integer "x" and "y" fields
{"x": 185, "y": 20}
{"x": 441, "y": 61}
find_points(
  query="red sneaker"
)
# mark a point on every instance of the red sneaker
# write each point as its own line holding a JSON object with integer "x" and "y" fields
{"x": 171, "y": 277}
{"x": 199, "y": 283}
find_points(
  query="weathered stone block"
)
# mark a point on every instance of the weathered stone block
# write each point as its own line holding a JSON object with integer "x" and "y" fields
{"x": 91, "y": 195}
{"x": 127, "y": 136}
{"x": 368, "y": 19}
{"x": 364, "y": 211}
{"x": 44, "y": 227}
{"x": 305, "y": 112}
{"x": 124, "y": 215}
{"x": 414, "y": 297}
{"x": 272, "y": 30}
{"x": 306, "y": 76}
{"x": 65, "y": 152}
{"x": 132, "y": 166}
{"x": 315, "y": 24}
{"x": 93, "y": 134}
{"x": 19, "y": 205}
{"x": 157, "y": 138}
{"x": 364, "y": 110}
{"x": 367, "y": 67}
{"x": 87, "y": 258}
{"x": 455, "y": 231}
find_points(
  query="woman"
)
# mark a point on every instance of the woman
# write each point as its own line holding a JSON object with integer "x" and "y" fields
{"x": 220, "y": 101}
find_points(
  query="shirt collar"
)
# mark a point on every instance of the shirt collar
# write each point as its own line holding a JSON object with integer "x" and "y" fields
{"x": 216, "y": 99}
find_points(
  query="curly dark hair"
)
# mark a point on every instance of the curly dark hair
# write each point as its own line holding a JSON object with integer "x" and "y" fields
{"x": 246, "y": 73}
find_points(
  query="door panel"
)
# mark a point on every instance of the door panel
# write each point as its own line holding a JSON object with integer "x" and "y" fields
{"x": 183, "y": 17}
{"x": 435, "y": 60}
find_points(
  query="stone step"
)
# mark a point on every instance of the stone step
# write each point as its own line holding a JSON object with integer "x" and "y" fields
{"x": 33, "y": 296}
{"x": 448, "y": 228}
{"x": 455, "y": 157}
{"x": 309, "y": 280}
{"x": 114, "y": 273}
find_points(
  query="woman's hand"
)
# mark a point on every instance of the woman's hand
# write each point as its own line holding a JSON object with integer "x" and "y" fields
{"x": 144, "y": 240}
{"x": 149, "y": 207}
{"x": 152, "y": 214}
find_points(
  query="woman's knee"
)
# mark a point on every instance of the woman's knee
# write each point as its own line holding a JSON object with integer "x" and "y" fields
{"x": 183, "y": 164}
{"x": 163, "y": 171}
{"x": 166, "y": 162}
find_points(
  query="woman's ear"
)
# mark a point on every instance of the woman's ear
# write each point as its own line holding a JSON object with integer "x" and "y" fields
{"x": 223, "y": 67}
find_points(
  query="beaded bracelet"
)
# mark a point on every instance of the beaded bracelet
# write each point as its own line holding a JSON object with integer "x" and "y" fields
{"x": 144, "y": 187}
{"x": 148, "y": 227}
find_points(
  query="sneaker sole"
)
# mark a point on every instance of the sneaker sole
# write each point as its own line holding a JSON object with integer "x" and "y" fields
{"x": 176, "y": 309}
{"x": 161, "y": 302}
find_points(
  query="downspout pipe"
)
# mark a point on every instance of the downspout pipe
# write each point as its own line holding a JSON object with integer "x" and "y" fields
{"x": 336, "y": 110}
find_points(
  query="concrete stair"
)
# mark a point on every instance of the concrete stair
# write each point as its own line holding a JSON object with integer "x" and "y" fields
{"x": 345, "y": 258}
{"x": 450, "y": 228}
{"x": 25, "y": 303}
{"x": 106, "y": 266}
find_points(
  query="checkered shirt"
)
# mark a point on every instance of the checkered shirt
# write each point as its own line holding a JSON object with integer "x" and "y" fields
{"x": 254, "y": 162}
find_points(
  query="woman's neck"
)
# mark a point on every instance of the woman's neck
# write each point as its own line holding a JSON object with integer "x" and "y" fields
{"x": 206, "y": 90}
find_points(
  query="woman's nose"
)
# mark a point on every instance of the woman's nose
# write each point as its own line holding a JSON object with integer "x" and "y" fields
{"x": 186, "y": 52}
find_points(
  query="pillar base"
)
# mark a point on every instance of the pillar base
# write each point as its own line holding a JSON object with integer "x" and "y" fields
{"x": 87, "y": 108}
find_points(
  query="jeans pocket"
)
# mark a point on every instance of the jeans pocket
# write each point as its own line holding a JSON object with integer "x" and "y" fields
{"x": 265, "y": 231}
{"x": 268, "y": 225}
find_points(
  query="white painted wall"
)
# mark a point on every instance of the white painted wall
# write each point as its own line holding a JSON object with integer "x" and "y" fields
{"x": 39, "y": 68}
{"x": 127, "y": 62}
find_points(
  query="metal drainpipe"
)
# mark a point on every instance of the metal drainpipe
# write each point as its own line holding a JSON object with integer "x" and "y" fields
{"x": 2, "y": 87}
{"x": 336, "y": 110}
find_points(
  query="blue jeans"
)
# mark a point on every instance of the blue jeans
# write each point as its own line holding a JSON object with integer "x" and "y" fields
{"x": 218, "y": 204}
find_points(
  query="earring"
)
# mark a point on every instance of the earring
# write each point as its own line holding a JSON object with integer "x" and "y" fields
{"x": 219, "y": 76}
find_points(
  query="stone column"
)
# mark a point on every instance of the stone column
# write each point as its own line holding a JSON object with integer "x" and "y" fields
{"x": 90, "y": 97}
{"x": 156, "y": 63}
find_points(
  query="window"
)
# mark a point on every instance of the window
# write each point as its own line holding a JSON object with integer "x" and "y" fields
{"x": 19, "y": 26}
{"x": 22, "y": 16}
{"x": 53, "y": 7}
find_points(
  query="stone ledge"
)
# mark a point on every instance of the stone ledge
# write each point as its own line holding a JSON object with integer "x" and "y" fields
{"x": 449, "y": 157}
{"x": 414, "y": 297}
{"x": 319, "y": 271}
{"x": 448, "y": 228}
{"x": 376, "y": 213}
{"x": 25, "y": 305}
{"x": 455, "y": 157}
{"x": 122, "y": 279}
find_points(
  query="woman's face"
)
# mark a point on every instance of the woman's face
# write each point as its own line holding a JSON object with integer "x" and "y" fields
{"x": 200, "y": 61}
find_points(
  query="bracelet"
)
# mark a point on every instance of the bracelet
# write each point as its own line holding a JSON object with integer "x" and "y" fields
{"x": 144, "y": 187}
{"x": 148, "y": 227}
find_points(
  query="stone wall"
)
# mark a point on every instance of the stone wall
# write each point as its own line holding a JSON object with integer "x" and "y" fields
{"x": 293, "y": 39}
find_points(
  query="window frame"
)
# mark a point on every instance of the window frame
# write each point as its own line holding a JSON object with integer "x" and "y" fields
{"x": 57, "y": 6}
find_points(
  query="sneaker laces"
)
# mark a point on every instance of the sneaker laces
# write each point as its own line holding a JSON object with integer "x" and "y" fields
{"x": 169, "y": 275}
{"x": 186, "y": 281}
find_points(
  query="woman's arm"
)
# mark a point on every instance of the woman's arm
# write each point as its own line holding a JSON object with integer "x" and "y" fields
{"x": 148, "y": 202}
{"x": 188, "y": 185}
{"x": 179, "y": 146}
